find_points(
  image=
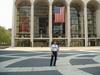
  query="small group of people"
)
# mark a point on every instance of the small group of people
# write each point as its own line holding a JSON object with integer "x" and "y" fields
{"x": 54, "y": 52}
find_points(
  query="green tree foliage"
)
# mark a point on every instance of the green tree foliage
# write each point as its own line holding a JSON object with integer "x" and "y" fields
{"x": 5, "y": 36}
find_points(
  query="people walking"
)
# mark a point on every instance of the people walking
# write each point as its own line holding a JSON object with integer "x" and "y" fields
{"x": 54, "y": 51}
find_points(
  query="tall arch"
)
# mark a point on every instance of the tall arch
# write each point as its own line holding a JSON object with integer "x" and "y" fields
{"x": 77, "y": 23}
{"x": 59, "y": 24}
{"x": 23, "y": 24}
{"x": 41, "y": 23}
{"x": 19, "y": 1}
{"x": 93, "y": 11}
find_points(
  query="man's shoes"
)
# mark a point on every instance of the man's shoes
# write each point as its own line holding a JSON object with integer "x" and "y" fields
{"x": 54, "y": 65}
{"x": 50, "y": 65}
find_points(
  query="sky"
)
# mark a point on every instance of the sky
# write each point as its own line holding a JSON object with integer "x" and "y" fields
{"x": 6, "y": 7}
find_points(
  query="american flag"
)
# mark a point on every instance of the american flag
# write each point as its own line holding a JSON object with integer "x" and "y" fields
{"x": 59, "y": 14}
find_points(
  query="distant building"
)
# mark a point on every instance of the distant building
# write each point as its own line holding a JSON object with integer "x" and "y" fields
{"x": 10, "y": 30}
{"x": 36, "y": 24}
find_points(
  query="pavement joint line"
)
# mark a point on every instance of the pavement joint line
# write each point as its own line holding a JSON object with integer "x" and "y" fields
{"x": 85, "y": 66}
{"x": 67, "y": 53}
{"x": 44, "y": 68}
{"x": 92, "y": 54}
{"x": 83, "y": 58}
{"x": 27, "y": 69}
{"x": 16, "y": 54}
{"x": 11, "y": 56}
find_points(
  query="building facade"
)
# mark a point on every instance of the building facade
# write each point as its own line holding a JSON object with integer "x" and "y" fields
{"x": 34, "y": 26}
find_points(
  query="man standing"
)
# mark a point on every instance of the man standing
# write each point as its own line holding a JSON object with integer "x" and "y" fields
{"x": 54, "y": 50}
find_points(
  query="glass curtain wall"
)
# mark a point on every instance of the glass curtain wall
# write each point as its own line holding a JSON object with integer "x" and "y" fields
{"x": 92, "y": 8}
{"x": 58, "y": 23}
{"x": 41, "y": 23}
{"x": 23, "y": 24}
{"x": 77, "y": 24}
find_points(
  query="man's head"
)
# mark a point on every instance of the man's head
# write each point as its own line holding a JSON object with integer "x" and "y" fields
{"x": 55, "y": 42}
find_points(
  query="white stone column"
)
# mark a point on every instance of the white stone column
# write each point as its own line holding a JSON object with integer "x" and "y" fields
{"x": 98, "y": 22}
{"x": 50, "y": 23}
{"x": 81, "y": 25}
{"x": 86, "y": 26}
{"x": 68, "y": 20}
{"x": 66, "y": 26}
{"x": 32, "y": 23}
{"x": 13, "y": 24}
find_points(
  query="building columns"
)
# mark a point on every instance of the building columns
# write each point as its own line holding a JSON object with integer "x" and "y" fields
{"x": 13, "y": 25}
{"x": 86, "y": 26}
{"x": 66, "y": 26}
{"x": 82, "y": 24}
{"x": 32, "y": 24}
{"x": 68, "y": 20}
{"x": 50, "y": 23}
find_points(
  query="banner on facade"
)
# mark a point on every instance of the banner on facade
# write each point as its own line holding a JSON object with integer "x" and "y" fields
{"x": 24, "y": 24}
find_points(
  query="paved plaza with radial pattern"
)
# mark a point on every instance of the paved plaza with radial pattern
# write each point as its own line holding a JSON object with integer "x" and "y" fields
{"x": 37, "y": 63}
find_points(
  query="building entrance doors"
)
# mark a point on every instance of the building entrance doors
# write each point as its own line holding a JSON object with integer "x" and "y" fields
{"x": 58, "y": 30}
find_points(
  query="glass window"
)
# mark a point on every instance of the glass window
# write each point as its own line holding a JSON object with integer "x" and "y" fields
{"x": 75, "y": 23}
{"x": 23, "y": 19}
{"x": 91, "y": 23}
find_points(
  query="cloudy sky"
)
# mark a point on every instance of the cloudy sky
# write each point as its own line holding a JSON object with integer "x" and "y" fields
{"x": 6, "y": 7}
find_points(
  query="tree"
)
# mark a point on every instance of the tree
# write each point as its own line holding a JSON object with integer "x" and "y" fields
{"x": 5, "y": 36}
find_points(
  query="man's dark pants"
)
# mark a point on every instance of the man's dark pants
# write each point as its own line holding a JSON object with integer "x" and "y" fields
{"x": 53, "y": 58}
